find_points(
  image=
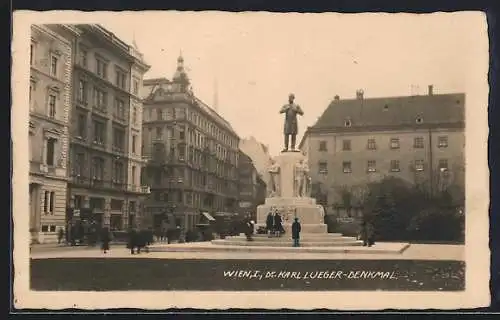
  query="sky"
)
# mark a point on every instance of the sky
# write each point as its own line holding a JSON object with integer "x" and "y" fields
{"x": 257, "y": 59}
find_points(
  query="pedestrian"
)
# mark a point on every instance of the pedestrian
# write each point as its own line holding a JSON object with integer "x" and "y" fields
{"x": 277, "y": 224}
{"x": 269, "y": 223}
{"x": 60, "y": 235}
{"x": 132, "y": 240}
{"x": 368, "y": 233}
{"x": 248, "y": 229}
{"x": 105, "y": 239}
{"x": 296, "y": 232}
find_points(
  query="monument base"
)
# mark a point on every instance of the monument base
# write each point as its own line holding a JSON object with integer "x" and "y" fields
{"x": 311, "y": 216}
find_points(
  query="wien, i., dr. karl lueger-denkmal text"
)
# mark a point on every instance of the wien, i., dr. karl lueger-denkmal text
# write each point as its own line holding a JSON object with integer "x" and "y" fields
{"x": 257, "y": 274}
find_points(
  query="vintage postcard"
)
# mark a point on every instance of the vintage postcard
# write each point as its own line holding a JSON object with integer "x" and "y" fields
{"x": 220, "y": 160}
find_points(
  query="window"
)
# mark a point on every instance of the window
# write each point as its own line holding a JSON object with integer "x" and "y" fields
{"x": 347, "y": 123}
{"x": 118, "y": 139}
{"x": 133, "y": 175}
{"x": 134, "y": 141}
{"x": 394, "y": 143}
{"x": 52, "y": 228}
{"x": 52, "y": 201}
{"x": 119, "y": 109}
{"x": 443, "y": 142}
{"x": 418, "y": 142}
{"x": 99, "y": 132}
{"x": 322, "y": 146}
{"x": 182, "y": 134}
{"x": 98, "y": 168}
{"x": 101, "y": 68}
{"x": 443, "y": 165}
{"x": 346, "y": 145}
{"x": 419, "y": 165}
{"x": 323, "y": 168}
{"x": 158, "y": 133}
{"x": 49, "y": 200}
{"x": 51, "y": 152}
{"x": 115, "y": 221}
{"x": 371, "y": 166}
{"x": 32, "y": 89}
{"x": 371, "y": 144}
{"x": 32, "y": 53}
{"x": 134, "y": 115}
{"x": 346, "y": 167}
{"x": 100, "y": 98}
{"x": 53, "y": 66}
{"x": 83, "y": 58}
{"x": 82, "y": 125}
{"x": 135, "y": 87}
{"x": 395, "y": 166}
{"x": 118, "y": 172}
{"x": 182, "y": 153}
{"x": 131, "y": 206}
{"x": 158, "y": 114}
{"x": 52, "y": 106}
{"x": 82, "y": 91}
{"x": 120, "y": 79}
{"x": 79, "y": 164}
{"x": 45, "y": 228}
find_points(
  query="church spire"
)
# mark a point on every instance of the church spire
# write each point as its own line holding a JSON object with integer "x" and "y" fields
{"x": 180, "y": 75}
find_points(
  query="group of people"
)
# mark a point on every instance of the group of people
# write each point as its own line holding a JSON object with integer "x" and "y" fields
{"x": 274, "y": 224}
{"x": 274, "y": 227}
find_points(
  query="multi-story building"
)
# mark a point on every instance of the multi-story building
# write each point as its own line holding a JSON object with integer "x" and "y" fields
{"x": 419, "y": 139}
{"x": 49, "y": 106}
{"x": 106, "y": 129}
{"x": 259, "y": 153}
{"x": 251, "y": 187}
{"x": 192, "y": 150}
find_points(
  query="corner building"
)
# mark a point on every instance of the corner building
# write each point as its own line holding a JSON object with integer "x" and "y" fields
{"x": 192, "y": 153}
{"x": 49, "y": 109}
{"x": 106, "y": 129}
{"x": 419, "y": 139}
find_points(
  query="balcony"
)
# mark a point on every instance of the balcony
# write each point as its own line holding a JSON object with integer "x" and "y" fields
{"x": 139, "y": 189}
{"x": 41, "y": 168}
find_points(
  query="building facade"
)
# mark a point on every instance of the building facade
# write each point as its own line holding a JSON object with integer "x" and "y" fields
{"x": 192, "y": 152}
{"x": 259, "y": 153}
{"x": 251, "y": 187}
{"x": 105, "y": 130}
{"x": 419, "y": 139}
{"x": 49, "y": 108}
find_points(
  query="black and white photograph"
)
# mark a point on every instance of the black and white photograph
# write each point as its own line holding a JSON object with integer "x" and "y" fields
{"x": 250, "y": 160}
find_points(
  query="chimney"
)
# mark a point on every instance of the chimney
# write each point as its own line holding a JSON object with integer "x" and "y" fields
{"x": 337, "y": 98}
{"x": 431, "y": 87}
{"x": 359, "y": 94}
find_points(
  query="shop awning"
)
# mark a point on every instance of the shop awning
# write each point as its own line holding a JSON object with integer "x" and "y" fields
{"x": 208, "y": 216}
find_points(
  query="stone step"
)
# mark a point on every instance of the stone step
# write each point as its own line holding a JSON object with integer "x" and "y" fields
{"x": 393, "y": 248}
{"x": 287, "y": 239}
{"x": 255, "y": 243}
{"x": 305, "y": 235}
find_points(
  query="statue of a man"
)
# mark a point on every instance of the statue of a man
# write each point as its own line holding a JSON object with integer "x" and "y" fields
{"x": 274, "y": 184}
{"x": 304, "y": 189}
{"x": 298, "y": 178}
{"x": 291, "y": 127}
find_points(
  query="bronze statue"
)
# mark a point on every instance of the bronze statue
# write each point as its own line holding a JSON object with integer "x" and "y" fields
{"x": 291, "y": 128}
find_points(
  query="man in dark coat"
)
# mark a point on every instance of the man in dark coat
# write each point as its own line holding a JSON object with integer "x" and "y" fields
{"x": 132, "y": 240}
{"x": 368, "y": 233}
{"x": 105, "y": 240}
{"x": 278, "y": 228}
{"x": 269, "y": 223}
{"x": 296, "y": 232}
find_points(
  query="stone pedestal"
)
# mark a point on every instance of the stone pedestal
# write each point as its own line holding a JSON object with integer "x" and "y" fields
{"x": 288, "y": 203}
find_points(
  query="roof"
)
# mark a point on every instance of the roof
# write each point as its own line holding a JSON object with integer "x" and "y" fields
{"x": 436, "y": 109}
{"x": 218, "y": 118}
